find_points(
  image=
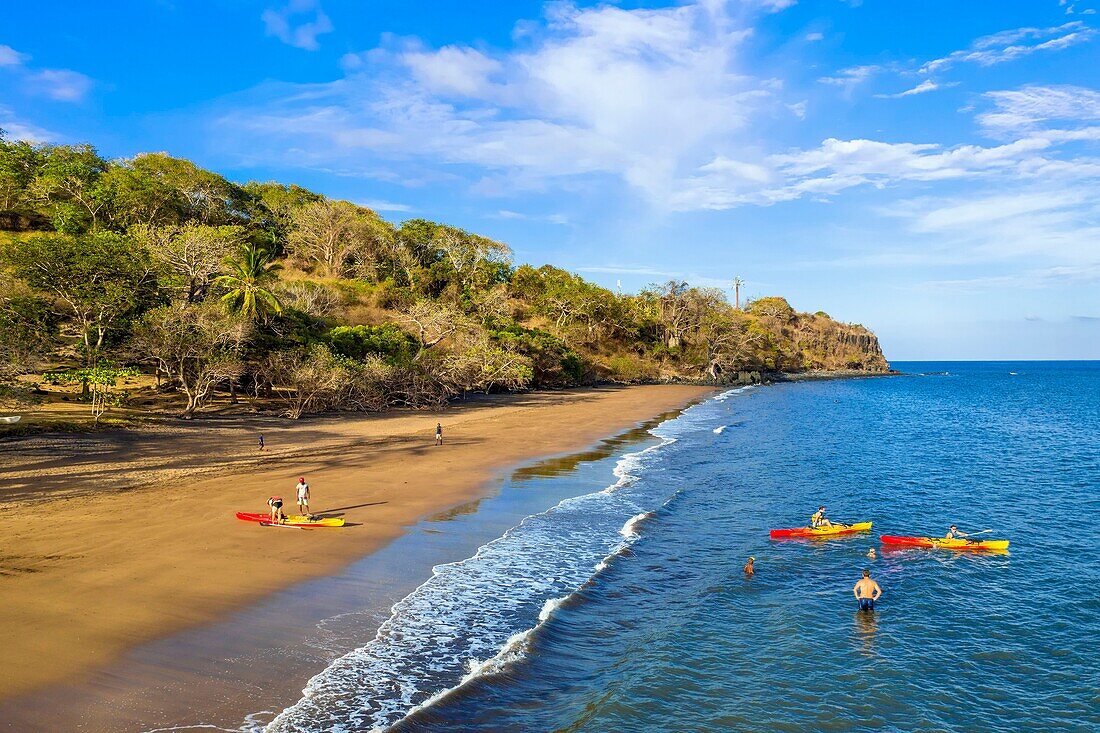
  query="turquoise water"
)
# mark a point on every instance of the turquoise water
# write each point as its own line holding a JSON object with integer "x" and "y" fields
{"x": 625, "y": 609}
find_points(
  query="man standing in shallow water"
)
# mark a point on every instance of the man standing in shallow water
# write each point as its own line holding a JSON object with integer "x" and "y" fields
{"x": 866, "y": 592}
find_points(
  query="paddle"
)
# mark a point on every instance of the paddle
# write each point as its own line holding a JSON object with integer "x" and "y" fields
{"x": 984, "y": 531}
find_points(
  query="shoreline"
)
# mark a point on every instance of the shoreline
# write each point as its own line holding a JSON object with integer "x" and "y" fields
{"x": 482, "y": 439}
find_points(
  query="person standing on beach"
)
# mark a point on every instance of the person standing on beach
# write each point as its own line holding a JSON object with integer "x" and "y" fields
{"x": 749, "y": 569}
{"x": 261, "y": 441}
{"x": 439, "y": 434}
{"x": 302, "y": 490}
{"x": 866, "y": 592}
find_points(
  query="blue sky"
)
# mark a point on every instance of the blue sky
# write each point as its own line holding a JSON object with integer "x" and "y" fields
{"x": 928, "y": 169}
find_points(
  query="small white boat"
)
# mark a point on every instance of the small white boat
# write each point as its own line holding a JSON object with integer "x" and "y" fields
{"x": 11, "y": 420}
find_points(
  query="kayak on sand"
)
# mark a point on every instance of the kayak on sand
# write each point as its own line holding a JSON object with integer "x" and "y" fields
{"x": 296, "y": 520}
{"x": 937, "y": 542}
{"x": 830, "y": 531}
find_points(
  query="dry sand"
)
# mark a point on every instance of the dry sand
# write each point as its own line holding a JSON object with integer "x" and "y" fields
{"x": 113, "y": 539}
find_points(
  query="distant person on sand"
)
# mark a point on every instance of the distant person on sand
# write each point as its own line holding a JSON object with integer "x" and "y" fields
{"x": 261, "y": 441}
{"x": 439, "y": 434}
{"x": 866, "y": 592}
{"x": 302, "y": 490}
{"x": 819, "y": 520}
{"x": 749, "y": 570}
{"x": 276, "y": 504}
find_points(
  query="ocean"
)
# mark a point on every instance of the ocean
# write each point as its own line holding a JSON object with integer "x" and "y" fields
{"x": 618, "y": 603}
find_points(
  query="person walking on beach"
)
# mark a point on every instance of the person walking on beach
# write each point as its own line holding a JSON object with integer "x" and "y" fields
{"x": 276, "y": 505}
{"x": 866, "y": 592}
{"x": 439, "y": 434}
{"x": 749, "y": 569}
{"x": 302, "y": 490}
{"x": 261, "y": 441}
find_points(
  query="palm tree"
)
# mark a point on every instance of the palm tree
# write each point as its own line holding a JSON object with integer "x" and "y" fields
{"x": 246, "y": 281}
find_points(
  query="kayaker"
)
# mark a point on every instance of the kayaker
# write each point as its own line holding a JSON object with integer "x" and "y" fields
{"x": 302, "y": 491}
{"x": 439, "y": 434}
{"x": 866, "y": 592}
{"x": 749, "y": 570}
{"x": 955, "y": 534}
{"x": 276, "y": 513}
{"x": 819, "y": 520}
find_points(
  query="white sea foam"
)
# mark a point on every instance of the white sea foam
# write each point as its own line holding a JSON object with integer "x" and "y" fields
{"x": 629, "y": 530}
{"x": 476, "y": 617}
{"x": 718, "y": 430}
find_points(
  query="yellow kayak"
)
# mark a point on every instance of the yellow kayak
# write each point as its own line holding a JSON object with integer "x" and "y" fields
{"x": 835, "y": 529}
{"x": 294, "y": 520}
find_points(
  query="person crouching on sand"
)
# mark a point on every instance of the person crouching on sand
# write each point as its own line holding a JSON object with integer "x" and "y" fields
{"x": 866, "y": 592}
{"x": 276, "y": 513}
{"x": 749, "y": 569}
{"x": 302, "y": 490}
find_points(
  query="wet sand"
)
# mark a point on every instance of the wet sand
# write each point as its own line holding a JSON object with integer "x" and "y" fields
{"x": 117, "y": 539}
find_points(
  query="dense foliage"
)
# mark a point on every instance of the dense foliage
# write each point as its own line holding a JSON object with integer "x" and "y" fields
{"x": 285, "y": 295}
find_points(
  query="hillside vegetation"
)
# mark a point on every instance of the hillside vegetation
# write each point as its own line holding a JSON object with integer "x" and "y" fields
{"x": 276, "y": 295}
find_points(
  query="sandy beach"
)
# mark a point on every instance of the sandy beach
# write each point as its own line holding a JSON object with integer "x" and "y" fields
{"x": 118, "y": 538}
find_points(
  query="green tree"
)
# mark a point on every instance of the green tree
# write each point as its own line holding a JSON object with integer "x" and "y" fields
{"x": 250, "y": 276}
{"x": 196, "y": 345}
{"x": 102, "y": 279}
{"x": 70, "y": 187}
{"x": 19, "y": 165}
{"x": 99, "y": 381}
{"x": 28, "y": 329}
{"x": 338, "y": 238}
{"x": 189, "y": 255}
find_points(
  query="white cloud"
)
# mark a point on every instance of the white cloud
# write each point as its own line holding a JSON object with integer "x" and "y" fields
{"x": 811, "y": 37}
{"x": 1027, "y": 108}
{"x": 559, "y": 219}
{"x": 837, "y": 165}
{"x": 639, "y": 95}
{"x": 452, "y": 69}
{"x": 10, "y": 57}
{"x": 923, "y": 88}
{"x": 852, "y": 76}
{"x": 1008, "y": 45}
{"x": 379, "y": 205}
{"x": 625, "y": 270}
{"x": 16, "y": 129}
{"x": 61, "y": 84}
{"x": 297, "y": 24}
{"x": 1034, "y": 279}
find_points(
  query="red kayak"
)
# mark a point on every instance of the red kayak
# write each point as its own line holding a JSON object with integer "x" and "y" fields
{"x": 295, "y": 520}
{"x": 944, "y": 543}
{"x": 831, "y": 531}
